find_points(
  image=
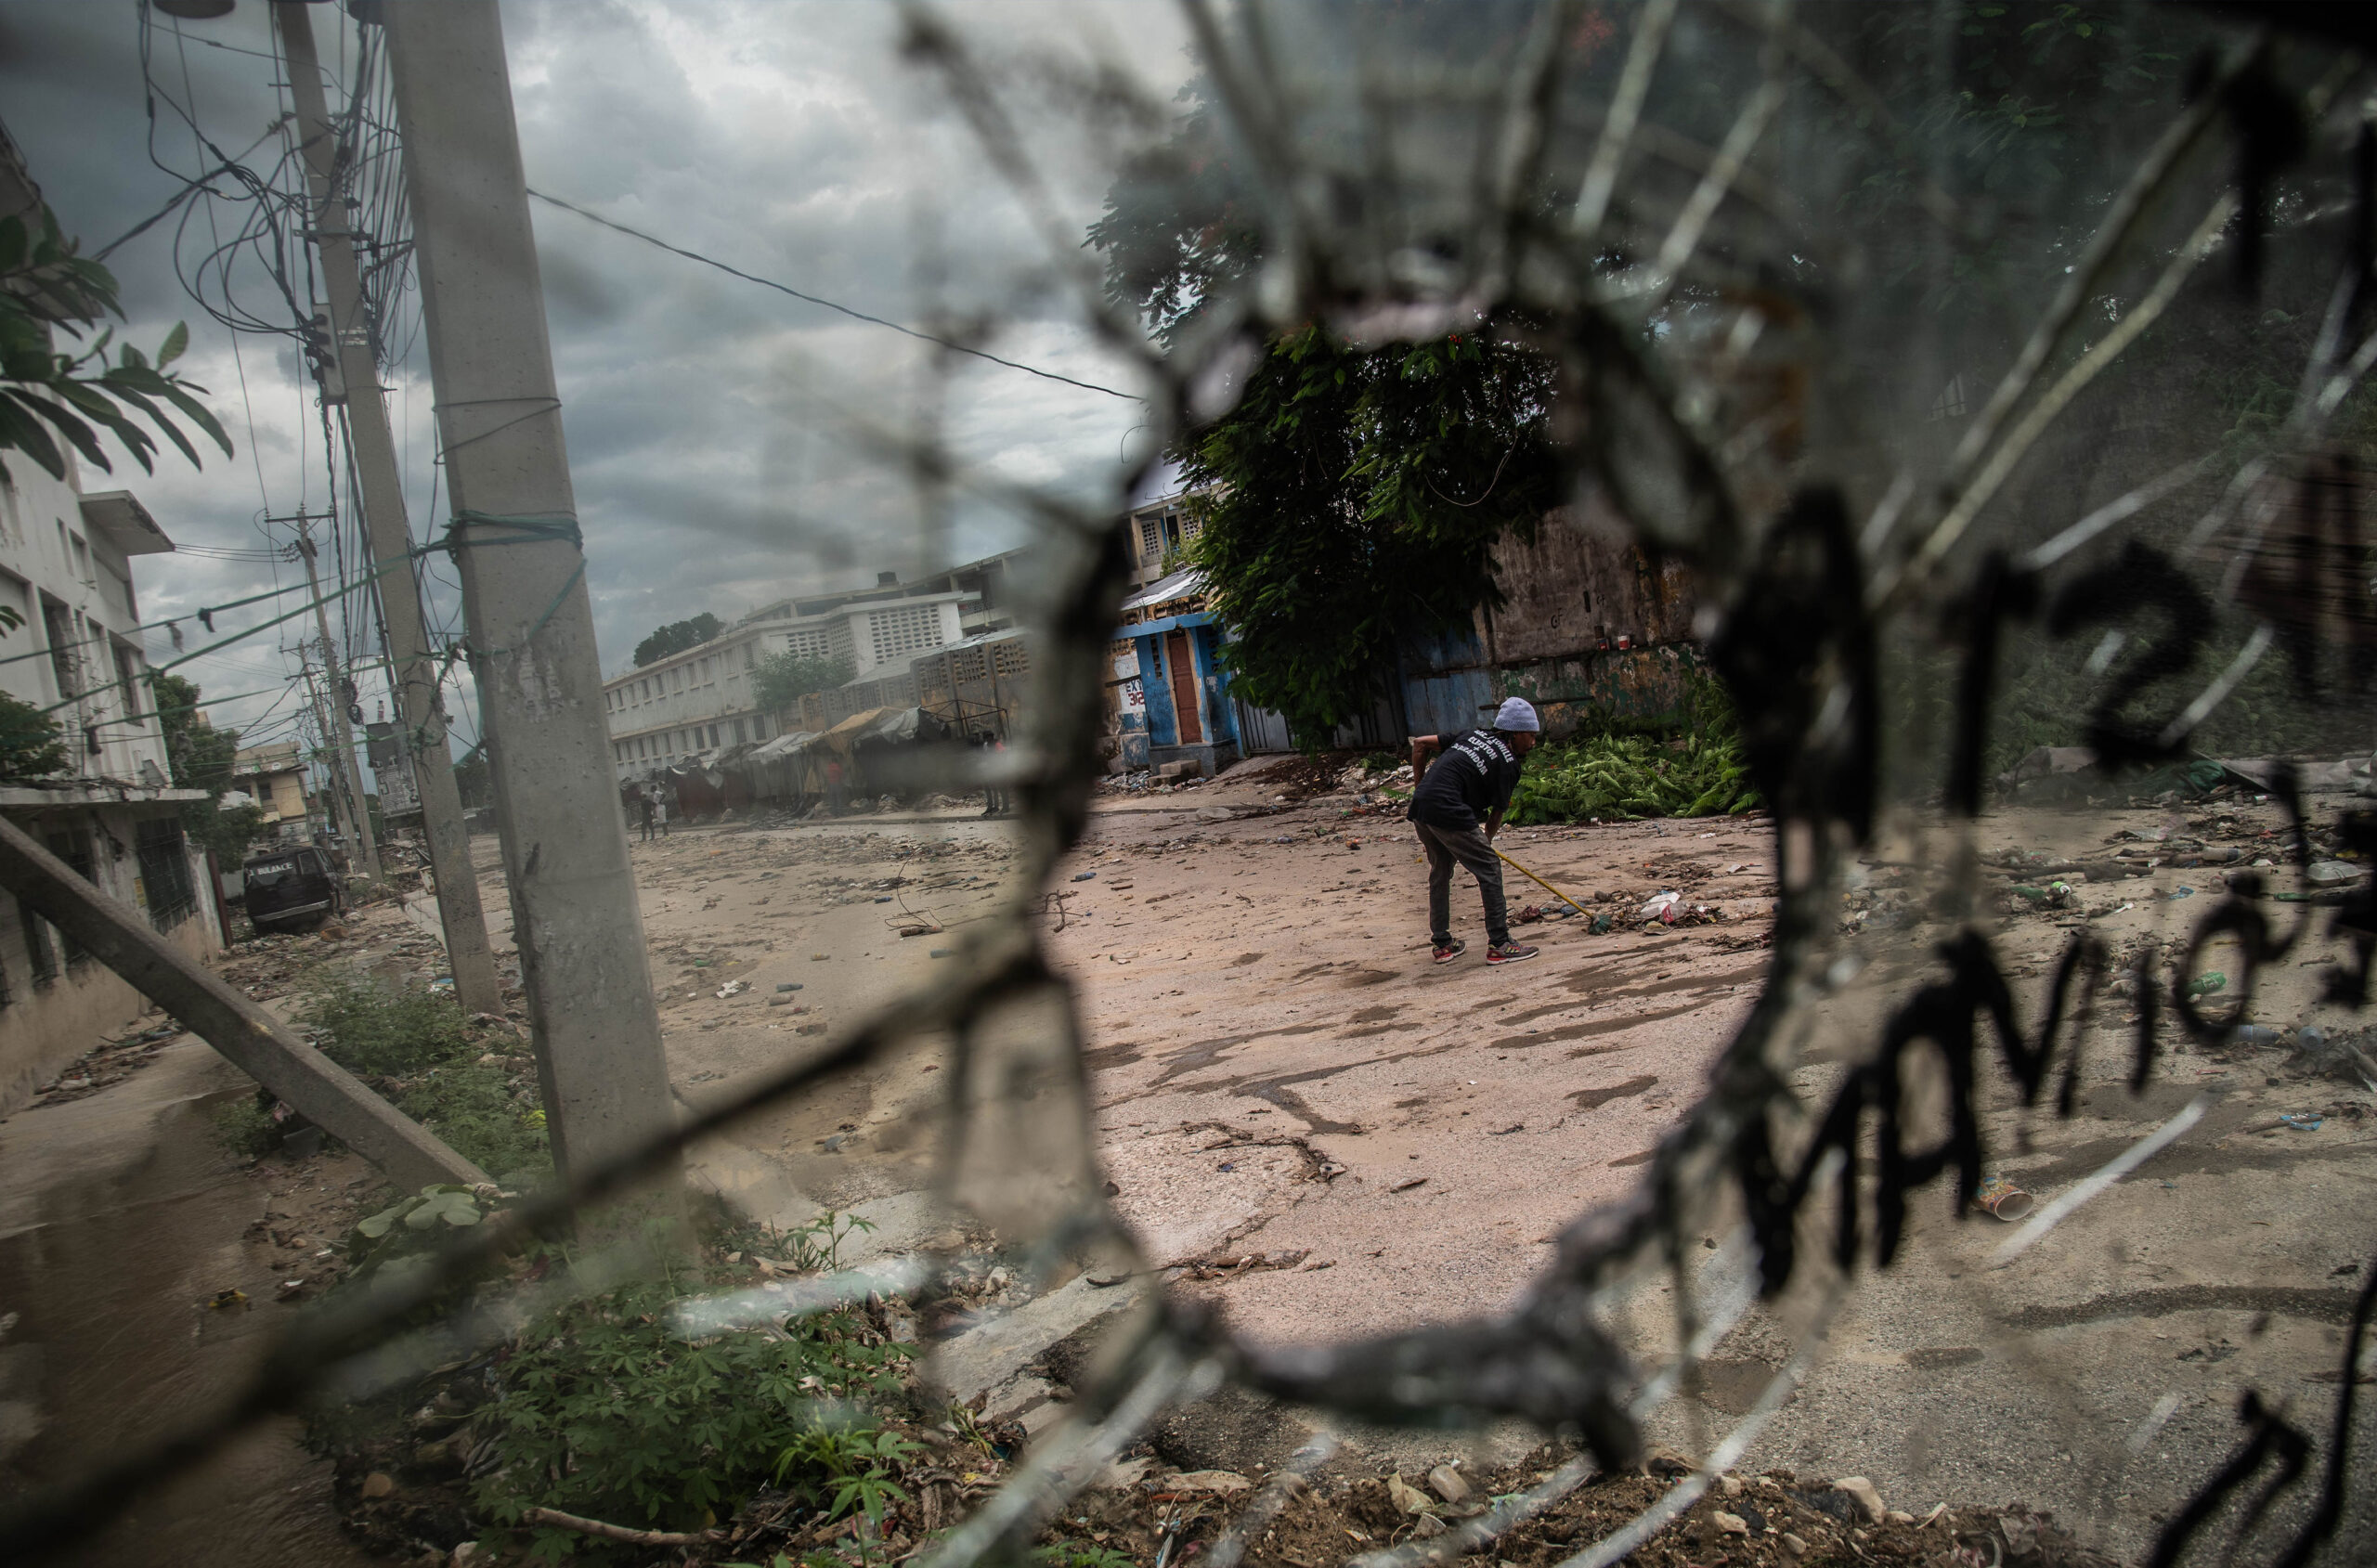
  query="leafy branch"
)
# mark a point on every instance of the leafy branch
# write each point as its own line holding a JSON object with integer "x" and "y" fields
{"x": 47, "y": 290}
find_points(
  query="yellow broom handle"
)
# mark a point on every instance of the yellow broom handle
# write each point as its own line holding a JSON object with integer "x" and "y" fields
{"x": 1533, "y": 877}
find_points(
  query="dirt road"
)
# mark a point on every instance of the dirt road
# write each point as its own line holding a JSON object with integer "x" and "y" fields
{"x": 1279, "y": 1073}
{"x": 1281, "y": 1070}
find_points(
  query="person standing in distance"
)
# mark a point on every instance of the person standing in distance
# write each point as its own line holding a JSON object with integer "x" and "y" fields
{"x": 1457, "y": 808}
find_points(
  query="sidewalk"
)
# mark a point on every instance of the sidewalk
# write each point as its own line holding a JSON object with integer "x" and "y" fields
{"x": 119, "y": 1221}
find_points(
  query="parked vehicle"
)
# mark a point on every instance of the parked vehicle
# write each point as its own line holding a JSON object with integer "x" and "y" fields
{"x": 291, "y": 888}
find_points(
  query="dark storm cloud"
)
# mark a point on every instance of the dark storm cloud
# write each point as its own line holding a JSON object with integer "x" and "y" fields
{"x": 720, "y": 434}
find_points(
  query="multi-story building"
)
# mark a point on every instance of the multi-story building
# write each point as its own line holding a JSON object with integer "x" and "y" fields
{"x": 704, "y": 698}
{"x": 274, "y": 776}
{"x": 1164, "y": 521}
{"x": 111, "y": 811}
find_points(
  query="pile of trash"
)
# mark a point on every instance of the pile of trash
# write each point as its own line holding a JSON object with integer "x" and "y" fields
{"x": 1669, "y": 909}
{"x": 112, "y": 1062}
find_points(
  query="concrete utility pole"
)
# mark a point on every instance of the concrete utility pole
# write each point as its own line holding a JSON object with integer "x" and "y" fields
{"x": 381, "y": 484}
{"x": 338, "y": 734}
{"x": 339, "y": 818}
{"x": 582, "y": 955}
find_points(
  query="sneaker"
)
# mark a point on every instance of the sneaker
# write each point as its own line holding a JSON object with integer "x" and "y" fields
{"x": 1450, "y": 951}
{"x": 1511, "y": 952}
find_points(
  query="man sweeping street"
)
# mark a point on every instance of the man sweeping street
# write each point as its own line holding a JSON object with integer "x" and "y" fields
{"x": 1457, "y": 808}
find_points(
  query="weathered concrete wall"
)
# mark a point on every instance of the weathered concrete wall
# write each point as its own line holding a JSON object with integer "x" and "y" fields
{"x": 1572, "y": 595}
{"x": 1579, "y": 585}
{"x": 47, "y": 1022}
{"x": 1629, "y": 683}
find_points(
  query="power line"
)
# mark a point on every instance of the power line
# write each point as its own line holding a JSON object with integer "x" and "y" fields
{"x": 829, "y": 304}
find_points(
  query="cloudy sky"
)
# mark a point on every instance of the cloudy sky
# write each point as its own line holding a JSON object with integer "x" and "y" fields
{"x": 718, "y": 431}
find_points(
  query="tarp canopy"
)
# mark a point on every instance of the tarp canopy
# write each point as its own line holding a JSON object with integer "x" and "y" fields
{"x": 844, "y": 735}
{"x": 1182, "y": 584}
{"x": 783, "y": 745}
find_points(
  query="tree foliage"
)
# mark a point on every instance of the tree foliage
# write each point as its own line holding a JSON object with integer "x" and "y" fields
{"x": 781, "y": 680}
{"x": 1315, "y": 569}
{"x": 45, "y": 289}
{"x": 676, "y": 637}
{"x": 1357, "y": 495}
{"x": 30, "y": 743}
{"x": 203, "y": 757}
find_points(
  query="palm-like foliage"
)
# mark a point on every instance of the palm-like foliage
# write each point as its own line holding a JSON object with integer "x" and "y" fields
{"x": 47, "y": 291}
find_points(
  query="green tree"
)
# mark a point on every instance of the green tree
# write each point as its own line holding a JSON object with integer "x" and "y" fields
{"x": 203, "y": 757}
{"x": 1357, "y": 496}
{"x": 678, "y": 636}
{"x": 30, "y": 746}
{"x": 781, "y": 680}
{"x": 45, "y": 289}
{"x": 1315, "y": 571}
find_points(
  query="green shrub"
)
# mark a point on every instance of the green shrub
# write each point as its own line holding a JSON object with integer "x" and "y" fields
{"x": 244, "y": 1128}
{"x": 371, "y": 1030}
{"x": 30, "y": 743}
{"x": 418, "y": 1049}
{"x": 484, "y": 1115}
{"x": 1629, "y": 777}
{"x": 610, "y": 1410}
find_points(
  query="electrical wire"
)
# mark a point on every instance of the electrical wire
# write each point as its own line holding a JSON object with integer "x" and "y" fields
{"x": 830, "y": 305}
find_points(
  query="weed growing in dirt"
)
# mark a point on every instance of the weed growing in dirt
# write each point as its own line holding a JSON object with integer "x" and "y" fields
{"x": 420, "y": 1050}
{"x": 245, "y": 1130}
{"x": 1071, "y": 1554}
{"x": 608, "y": 1408}
{"x": 857, "y": 1465}
{"x": 370, "y": 1029}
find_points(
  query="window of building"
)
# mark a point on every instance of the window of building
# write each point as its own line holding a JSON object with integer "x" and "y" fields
{"x": 41, "y": 957}
{"x": 165, "y": 872}
{"x": 713, "y": 734}
{"x": 126, "y": 683}
{"x": 678, "y": 678}
{"x": 909, "y": 630}
{"x": 1151, "y": 538}
{"x": 58, "y": 625}
{"x": 739, "y": 733}
{"x": 750, "y": 655}
{"x": 73, "y": 847}
{"x": 1949, "y": 404}
{"x": 82, "y": 558}
{"x": 1008, "y": 658}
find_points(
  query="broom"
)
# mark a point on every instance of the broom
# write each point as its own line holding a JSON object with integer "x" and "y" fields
{"x": 1540, "y": 882}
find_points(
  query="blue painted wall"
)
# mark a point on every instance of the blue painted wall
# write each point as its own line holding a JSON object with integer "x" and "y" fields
{"x": 1218, "y": 720}
{"x": 1445, "y": 684}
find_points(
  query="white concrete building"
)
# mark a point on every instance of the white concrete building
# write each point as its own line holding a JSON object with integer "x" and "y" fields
{"x": 111, "y": 813}
{"x": 65, "y": 566}
{"x": 703, "y": 699}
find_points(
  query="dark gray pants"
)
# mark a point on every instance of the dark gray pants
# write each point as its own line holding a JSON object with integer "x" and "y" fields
{"x": 1446, "y": 847}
